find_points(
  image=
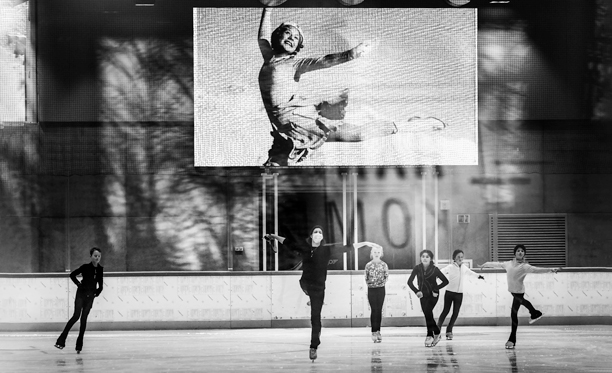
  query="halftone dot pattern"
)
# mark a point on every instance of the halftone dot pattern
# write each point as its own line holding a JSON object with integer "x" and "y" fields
{"x": 109, "y": 149}
{"x": 13, "y": 41}
{"x": 423, "y": 64}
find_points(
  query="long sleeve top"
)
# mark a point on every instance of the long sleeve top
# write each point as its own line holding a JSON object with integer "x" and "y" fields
{"x": 376, "y": 274}
{"x": 516, "y": 272}
{"x": 427, "y": 280}
{"x": 92, "y": 276}
{"x": 456, "y": 276}
{"x": 314, "y": 260}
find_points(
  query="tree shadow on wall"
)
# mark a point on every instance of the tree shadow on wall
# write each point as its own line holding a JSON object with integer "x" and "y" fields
{"x": 177, "y": 217}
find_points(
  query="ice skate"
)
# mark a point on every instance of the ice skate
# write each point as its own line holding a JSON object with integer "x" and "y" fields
{"x": 374, "y": 337}
{"x": 313, "y": 354}
{"x": 536, "y": 317}
{"x": 420, "y": 124}
{"x": 378, "y": 337}
{"x": 59, "y": 346}
{"x": 429, "y": 341}
{"x": 449, "y": 336}
{"x": 509, "y": 345}
{"x": 436, "y": 339}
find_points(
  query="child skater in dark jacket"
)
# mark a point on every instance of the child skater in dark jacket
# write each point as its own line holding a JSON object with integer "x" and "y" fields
{"x": 88, "y": 288}
{"x": 428, "y": 290}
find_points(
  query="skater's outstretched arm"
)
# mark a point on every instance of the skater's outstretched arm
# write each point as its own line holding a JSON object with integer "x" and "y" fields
{"x": 356, "y": 245}
{"x": 265, "y": 31}
{"x": 359, "y": 245}
{"x": 312, "y": 64}
{"x": 534, "y": 269}
{"x": 270, "y": 237}
{"x": 491, "y": 265}
{"x": 473, "y": 274}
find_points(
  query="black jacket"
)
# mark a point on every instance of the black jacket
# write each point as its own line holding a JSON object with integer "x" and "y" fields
{"x": 314, "y": 260}
{"x": 427, "y": 280}
{"x": 91, "y": 276}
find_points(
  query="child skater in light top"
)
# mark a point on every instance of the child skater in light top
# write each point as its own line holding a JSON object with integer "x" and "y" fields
{"x": 302, "y": 123}
{"x": 376, "y": 275}
{"x": 456, "y": 272}
{"x": 516, "y": 270}
{"x": 428, "y": 290}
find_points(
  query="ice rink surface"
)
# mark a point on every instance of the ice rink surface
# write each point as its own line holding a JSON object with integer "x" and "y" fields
{"x": 544, "y": 348}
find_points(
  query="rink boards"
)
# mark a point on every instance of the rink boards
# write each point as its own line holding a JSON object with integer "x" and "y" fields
{"x": 274, "y": 299}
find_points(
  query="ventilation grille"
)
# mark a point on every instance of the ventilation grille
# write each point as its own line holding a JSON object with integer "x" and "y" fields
{"x": 544, "y": 236}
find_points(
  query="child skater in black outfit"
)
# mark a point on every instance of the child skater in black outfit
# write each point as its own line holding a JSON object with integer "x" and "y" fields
{"x": 315, "y": 258}
{"x": 92, "y": 275}
{"x": 428, "y": 291}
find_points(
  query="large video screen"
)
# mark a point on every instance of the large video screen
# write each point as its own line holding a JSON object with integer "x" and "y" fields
{"x": 335, "y": 87}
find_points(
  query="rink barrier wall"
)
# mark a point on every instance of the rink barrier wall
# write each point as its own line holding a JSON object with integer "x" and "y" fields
{"x": 218, "y": 300}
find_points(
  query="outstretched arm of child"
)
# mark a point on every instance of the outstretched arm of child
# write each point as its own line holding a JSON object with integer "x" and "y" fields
{"x": 534, "y": 269}
{"x": 265, "y": 31}
{"x": 474, "y": 274}
{"x": 491, "y": 265}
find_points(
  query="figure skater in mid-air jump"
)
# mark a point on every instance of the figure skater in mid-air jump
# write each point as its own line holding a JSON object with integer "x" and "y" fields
{"x": 301, "y": 124}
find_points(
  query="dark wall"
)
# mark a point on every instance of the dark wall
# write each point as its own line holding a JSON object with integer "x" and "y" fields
{"x": 111, "y": 162}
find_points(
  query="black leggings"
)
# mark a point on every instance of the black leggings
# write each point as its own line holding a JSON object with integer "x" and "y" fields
{"x": 517, "y": 302}
{"x": 82, "y": 305}
{"x": 427, "y": 305}
{"x": 456, "y": 299}
{"x": 376, "y": 297}
{"x": 316, "y": 305}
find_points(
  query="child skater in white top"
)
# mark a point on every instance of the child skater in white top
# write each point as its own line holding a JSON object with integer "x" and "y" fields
{"x": 516, "y": 270}
{"x": 455, "y": 273}
{"x": 376, "y": 275}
